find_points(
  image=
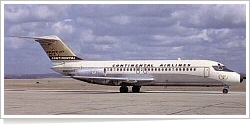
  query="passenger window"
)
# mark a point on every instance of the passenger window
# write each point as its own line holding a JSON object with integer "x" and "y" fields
{"x": 187, "y": 69}
{"x": 194, "y": 69}
{"x": 169, "y": 69}
{"x": 179, "y": 69}
{"x": 183, "y": 69}
{"x": 166, "y": 69}
{"x": 190, "y": 69}
{"x": 176, "y": 69}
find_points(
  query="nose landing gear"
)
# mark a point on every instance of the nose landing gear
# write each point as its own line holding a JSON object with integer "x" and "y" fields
{"x": 225, "y": 90}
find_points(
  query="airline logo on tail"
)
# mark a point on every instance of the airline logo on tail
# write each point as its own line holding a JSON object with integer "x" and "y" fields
{"x": 54, "y": 48}
{"x": 64, "y": 58}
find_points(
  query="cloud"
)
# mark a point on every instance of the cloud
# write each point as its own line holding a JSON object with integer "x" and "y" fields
{"x": 13, "y": 43}
{"x": 89, "y": 36}
{"x": 235, "y": 44}
{"x": 177, "y": 49}
{"x": 43, "y": 12}
{"x": 121, "y": 20}
{"x": 62, "y": 27}
{"x": 15, "y": 13}
{"x": 212, "y": 16}
{"x": 118, "y": 32}
{"x": 35, "y": 13}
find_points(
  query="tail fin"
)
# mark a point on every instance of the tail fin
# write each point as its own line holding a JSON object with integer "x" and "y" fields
{"x": 54, "y": 48}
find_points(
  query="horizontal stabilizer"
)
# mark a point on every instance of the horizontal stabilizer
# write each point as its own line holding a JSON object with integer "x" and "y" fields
{"x": 52, "y": 37}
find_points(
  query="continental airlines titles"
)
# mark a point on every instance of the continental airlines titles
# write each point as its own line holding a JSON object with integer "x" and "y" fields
{"x": 151, "y": 65}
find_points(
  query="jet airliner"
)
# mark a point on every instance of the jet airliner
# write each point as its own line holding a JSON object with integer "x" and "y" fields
{"x": 136, "y": 73}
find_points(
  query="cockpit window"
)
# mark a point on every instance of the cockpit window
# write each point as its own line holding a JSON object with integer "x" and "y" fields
{"x": 222, "y": 68}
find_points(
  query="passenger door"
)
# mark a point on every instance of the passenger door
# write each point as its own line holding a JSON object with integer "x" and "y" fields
{"x": 206, "y": 72}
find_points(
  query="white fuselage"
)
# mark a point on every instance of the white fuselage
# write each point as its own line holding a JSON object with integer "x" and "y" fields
{"x": 136, "y": 73}
{"x": 163, "y": 72}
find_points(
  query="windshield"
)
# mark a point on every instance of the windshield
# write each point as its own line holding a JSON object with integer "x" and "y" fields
{"x": 222, "y": 68}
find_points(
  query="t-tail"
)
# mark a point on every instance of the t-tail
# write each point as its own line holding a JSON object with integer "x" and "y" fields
{"x": 55, "y": 48}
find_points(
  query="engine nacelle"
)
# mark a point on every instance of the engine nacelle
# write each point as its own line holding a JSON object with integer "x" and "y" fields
{"x": 90, "y": 72}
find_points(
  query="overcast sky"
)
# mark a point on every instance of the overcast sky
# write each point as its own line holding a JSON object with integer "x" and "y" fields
{"x": 121, "y": 32}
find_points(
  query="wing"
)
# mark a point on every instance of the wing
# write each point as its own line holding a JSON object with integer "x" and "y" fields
{"x": 114, "y": 79}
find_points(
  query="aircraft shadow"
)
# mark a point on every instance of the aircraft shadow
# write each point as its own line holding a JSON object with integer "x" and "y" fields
{"x": 117, "y": 92}
{"x": 142, "y": 92}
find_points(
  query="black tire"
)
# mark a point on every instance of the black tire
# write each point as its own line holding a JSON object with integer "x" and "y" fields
{"x": 136, "y": 89}
{"x": 123, "y": 89}
{"x": 225, "y": 91}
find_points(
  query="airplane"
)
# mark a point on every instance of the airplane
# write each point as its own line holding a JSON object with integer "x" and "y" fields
{"x": 136, "y": 73}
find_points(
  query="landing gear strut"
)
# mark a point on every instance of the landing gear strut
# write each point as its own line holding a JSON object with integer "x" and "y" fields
{"x": 136, "y": 89}
{"x": 123, "y": 89}
{"x": 225, "y": 90}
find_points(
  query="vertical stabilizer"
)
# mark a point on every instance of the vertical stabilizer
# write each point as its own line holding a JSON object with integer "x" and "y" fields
{"x": 55, "y": 48}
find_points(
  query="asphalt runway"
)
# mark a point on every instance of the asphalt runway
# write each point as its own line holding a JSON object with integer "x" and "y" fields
{"x": 111, "y": 102}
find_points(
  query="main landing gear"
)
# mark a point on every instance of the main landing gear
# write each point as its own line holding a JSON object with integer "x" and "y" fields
{"x": 225, "y": 90}
{"x": 135, "y": 89}
{"x": 123, "y": 89}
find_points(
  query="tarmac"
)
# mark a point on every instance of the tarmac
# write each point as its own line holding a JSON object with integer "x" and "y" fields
{"x": 53, "y": 98}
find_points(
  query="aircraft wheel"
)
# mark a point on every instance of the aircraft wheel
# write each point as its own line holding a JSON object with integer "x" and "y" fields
{"x": 225, "y": 91}
{"x": 136, "y": 89}
{"x": 123, "y": 89}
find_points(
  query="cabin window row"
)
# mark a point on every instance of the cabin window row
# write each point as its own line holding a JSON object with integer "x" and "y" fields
{"x": 151, "y": 69}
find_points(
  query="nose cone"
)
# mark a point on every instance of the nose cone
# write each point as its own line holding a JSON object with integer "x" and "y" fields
{"x": 241, "y": 78}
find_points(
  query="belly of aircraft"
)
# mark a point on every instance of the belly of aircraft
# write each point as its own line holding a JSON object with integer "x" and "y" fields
{"x": 161, "y": 80}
